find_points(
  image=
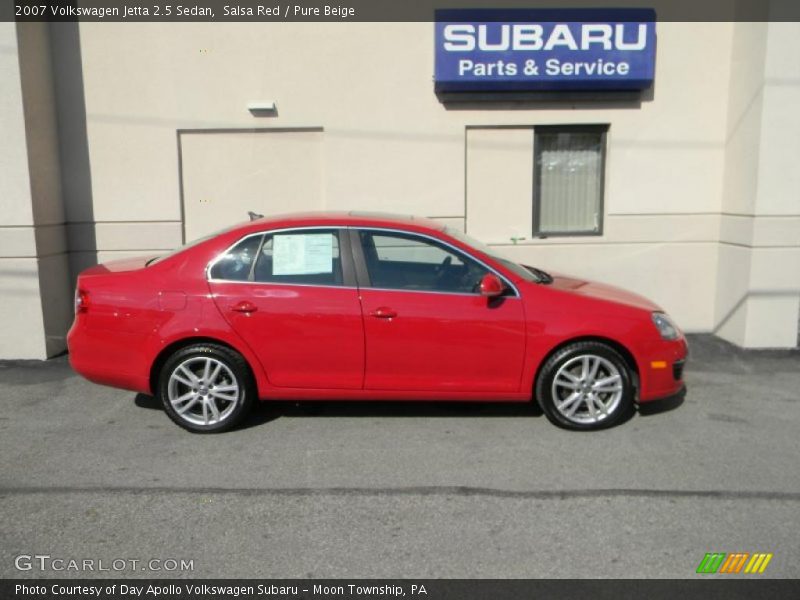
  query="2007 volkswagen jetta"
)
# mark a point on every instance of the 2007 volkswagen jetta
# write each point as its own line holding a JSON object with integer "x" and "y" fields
{"x": 362, "y": 306}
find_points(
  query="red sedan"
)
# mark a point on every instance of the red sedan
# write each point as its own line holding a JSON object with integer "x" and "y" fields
{"x": 362, "y": 306}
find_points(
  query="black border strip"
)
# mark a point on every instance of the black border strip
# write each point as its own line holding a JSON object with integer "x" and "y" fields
{"x": 382, "y": 10}
{"x": 706, "y": 587}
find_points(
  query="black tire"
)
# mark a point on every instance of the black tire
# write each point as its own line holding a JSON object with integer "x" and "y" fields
{"x": 198, "y": 413}
{"x": 588, "y": 405}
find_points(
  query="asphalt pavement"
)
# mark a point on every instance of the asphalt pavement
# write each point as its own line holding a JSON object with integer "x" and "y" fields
{"x": 418, "y": 490}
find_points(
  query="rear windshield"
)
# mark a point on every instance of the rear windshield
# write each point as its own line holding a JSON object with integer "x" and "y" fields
{"x": 188, "y": 245}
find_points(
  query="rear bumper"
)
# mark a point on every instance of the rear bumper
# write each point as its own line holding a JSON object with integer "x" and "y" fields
{"x": 661, "y": 368}
{"x": 101, "y": 360}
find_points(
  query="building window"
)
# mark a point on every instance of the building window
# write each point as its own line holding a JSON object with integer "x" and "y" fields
{"x": 569, "y": 163}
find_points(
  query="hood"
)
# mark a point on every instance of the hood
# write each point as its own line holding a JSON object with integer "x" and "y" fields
{"x": 601, "y": 291}
{"x": 118, "y": 266}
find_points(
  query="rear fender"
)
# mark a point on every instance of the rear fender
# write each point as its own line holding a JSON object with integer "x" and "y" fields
{"x": 183, "y": 329}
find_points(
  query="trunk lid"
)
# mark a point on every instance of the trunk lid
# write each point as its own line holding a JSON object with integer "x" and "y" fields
{"x": 118, "y": 266}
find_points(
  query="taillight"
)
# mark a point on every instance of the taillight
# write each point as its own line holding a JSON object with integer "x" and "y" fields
{"x": 81, "y": 300}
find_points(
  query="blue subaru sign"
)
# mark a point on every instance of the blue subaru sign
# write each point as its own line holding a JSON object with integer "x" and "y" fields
{"x": 516, "y": 49}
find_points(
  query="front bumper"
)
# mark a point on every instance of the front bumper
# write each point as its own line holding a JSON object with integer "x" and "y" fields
{"x": 661, "y": 369}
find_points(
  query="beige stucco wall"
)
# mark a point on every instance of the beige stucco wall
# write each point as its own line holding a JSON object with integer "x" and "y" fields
{"x": 758, "y": 274}
{"x": 41, "y": 134}
{"x": 390, "y": 144}
{"x": 20, "y": 294}
{"x": 701, "y": 208}
{"x": 35, "y": 283}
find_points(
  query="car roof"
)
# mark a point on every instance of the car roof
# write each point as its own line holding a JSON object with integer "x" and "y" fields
{"x": 344, "y": 219}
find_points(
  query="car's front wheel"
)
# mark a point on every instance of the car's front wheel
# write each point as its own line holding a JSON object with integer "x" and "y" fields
{"x": 206, "y": 388}
{"x": 586, "y": 385}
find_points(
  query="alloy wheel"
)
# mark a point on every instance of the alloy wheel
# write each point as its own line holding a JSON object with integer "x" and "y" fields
{"x": 587, "y": 389}
{"x": 203, "y": 390}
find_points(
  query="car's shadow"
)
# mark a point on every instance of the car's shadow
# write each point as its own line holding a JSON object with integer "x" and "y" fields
{"x": 656, "y": 407}
{"x": 264, "y": 412}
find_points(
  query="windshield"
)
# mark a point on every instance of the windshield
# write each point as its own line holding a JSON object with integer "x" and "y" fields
{"x": 509, "y": 264}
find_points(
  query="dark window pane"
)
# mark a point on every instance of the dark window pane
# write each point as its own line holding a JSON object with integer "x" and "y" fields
{"x": 236, "y": 264}
{"x": 408, "y": 262}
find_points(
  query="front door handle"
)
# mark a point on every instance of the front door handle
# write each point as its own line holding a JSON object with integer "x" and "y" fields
{"x": 244, "y": 307}
{"x": 383, "y": 313}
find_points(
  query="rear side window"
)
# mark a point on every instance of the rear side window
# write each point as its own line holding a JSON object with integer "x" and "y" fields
{"x": 237, "y": 263}
{"x": 308, "y": 257}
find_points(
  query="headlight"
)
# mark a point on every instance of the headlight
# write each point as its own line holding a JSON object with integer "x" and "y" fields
{"x": 667, "y": 329}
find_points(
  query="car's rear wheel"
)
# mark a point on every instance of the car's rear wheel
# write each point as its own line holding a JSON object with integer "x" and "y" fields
{"x": 206, "y": 388}
{"x": 586, "y": 385}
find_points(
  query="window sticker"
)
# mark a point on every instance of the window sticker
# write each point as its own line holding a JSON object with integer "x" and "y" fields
{"x": 302, "y": 254}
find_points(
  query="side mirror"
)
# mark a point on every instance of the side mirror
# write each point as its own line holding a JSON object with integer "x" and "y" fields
{"x": 491, "y": 286}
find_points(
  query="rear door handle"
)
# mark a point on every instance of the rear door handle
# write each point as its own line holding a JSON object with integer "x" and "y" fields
{"x": 244, "y": 307}
{"x": 383, "y": 313}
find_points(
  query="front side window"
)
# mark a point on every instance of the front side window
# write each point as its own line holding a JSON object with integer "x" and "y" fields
{"x": 407, "y": 262}
{"x": 568, "y": 180}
